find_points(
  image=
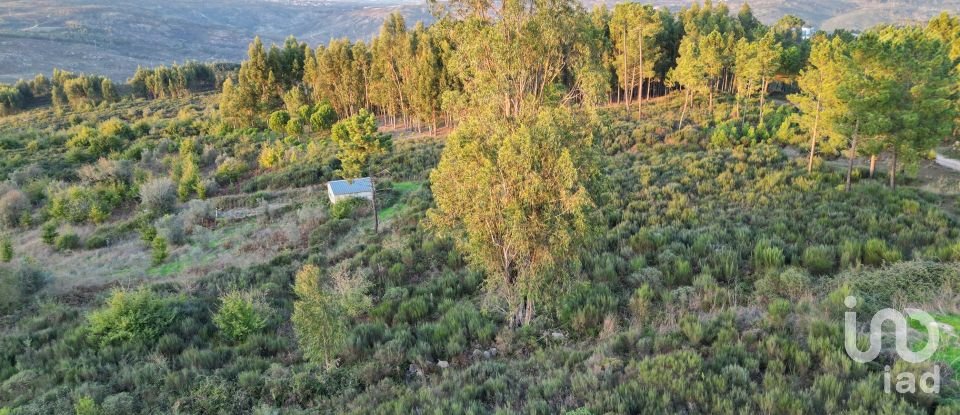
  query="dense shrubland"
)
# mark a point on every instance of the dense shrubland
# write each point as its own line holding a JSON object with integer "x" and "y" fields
{"x": 587, "y": 239}
{"x": 679, "y": 304}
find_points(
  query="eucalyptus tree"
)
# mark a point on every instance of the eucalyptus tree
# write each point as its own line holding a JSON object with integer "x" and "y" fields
{"x": 516, "y": 201}
{"x": 528, "y": 54}
{"x": 635, "y": 30}
{"x": 511, "y": 184}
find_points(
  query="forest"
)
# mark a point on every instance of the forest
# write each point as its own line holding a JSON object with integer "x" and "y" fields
{"x": 618, "y": 210}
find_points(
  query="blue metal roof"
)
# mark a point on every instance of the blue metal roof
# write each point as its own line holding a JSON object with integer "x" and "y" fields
{"x": 346, "y": 187}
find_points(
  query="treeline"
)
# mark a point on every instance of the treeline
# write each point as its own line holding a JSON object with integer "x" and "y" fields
{"x": 77, "y": 91}
{"x": 553, "y": 51}
{"x": 178, "y": 80}
{"x": 81, "y": 92}
{"x": 889, "y": 90}
{"x": 507, "y": 61}
{"x": 22, "y": 94}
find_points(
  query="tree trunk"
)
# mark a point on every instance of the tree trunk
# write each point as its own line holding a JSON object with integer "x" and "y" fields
{"x": 763, "y": 99}
{"x": 710, "y": 105}
{"x": 640, "y": 95}
{"x": 873, "y": 164}
{"x": 853, "y": 155}
{"x": 528, "y": 314}
{"x": 626, "y": 90}
{"x": 683, "y": 113}
{"x": 813, "y": 139}
{"x": 893, "y": 170}
{"x": 373, "y": 194}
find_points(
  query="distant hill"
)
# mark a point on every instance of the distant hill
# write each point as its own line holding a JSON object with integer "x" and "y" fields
{"x": 833, "y": 14}
{"x": 112, "y": 38}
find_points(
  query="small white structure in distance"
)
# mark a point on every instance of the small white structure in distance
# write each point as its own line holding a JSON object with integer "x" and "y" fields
{"x": 339, "y": 190}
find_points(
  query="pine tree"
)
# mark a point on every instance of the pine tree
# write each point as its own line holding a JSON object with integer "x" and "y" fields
{"x": 690, "y": 73}
{"x": 923, "y": 88}
{"x": 756, "y": 65}
{"x": 158, "y": 250}
{"x": 48, "y": 233}
{"x": 6, "y": 249}
{"x": 359, "y": 142}
{"x": 822, "y": 108}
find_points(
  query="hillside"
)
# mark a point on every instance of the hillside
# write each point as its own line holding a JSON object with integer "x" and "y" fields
{"x": 537, "y": 222}
{"x": 832, "y": 14}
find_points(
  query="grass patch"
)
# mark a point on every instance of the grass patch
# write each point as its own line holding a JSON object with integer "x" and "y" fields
{"x": 168, "y": 268}
{"x": 405, "y": 187}
{"x": 402, "y": 189}
{"x": 949, "y": 350}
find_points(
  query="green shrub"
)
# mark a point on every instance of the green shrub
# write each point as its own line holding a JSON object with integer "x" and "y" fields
{"x": 48, "y": 233}
{"x": 641, "y": 302}
{"x": 230, "y": 170}
{"x": 778, "y": 311}
{"x": 849, "y": 253}
{"x": 78, "y": 203}
{"x": 158, "y": 250}
{"x": 767, "y": 256}
{"x": 876, "y": 252}
{"x": 294, "y": 127}
{"x": 95, "y": 241}
{"x": 122, "y": 403}
{"x": 17, "y": 284}
{"x": 461, "y": 325}
{"x": 412, "y": 310}
{"x": 585, "y": 306}
{"x": 67, "y": 241}
{"x": 131, "y": 317}
{"x": 6, "y": 249}
{"x": 86, "y": 406}
{"x": 278, "y": 120}
{"x": 726, "y": 263}
{"x": 692, "y": 328}
{"x": 819, "y": 259}
{"x": 320, "y": 316}
{"x": 915, "y": 281}
{"x": 323, "y": 117}
{"x": 239, "y": 316}
{"x": 345, "y": 208}
{"x": 791, "y": 283}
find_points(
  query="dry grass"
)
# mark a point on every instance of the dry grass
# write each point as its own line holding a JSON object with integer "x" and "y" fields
{"x": 247, "y": 238}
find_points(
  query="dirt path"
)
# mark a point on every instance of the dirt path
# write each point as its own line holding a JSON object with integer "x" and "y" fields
{"x": 948, "y": 162}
